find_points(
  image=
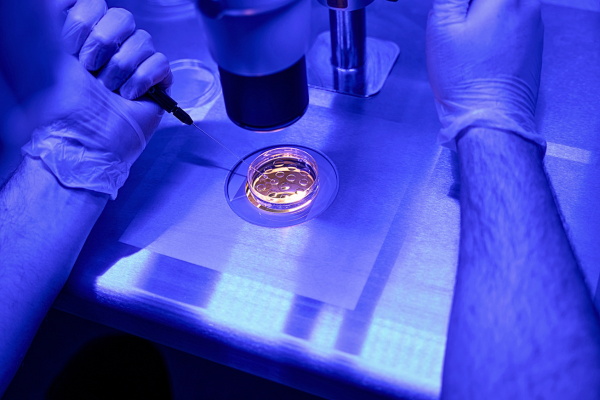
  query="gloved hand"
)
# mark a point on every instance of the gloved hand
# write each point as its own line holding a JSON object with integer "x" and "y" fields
{"x": 94, "y": 134}
{"x": 484, "y": 62}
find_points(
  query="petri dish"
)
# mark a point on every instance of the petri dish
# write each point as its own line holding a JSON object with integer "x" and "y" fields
{"x": 278, "y": 211}
{"x": 282, "y": 180}
{"x": 194, "y": 84}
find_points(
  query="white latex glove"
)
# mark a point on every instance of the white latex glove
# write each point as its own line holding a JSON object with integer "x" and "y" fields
{"x": 94, "y": 135}
{"x": 484, "y": 61}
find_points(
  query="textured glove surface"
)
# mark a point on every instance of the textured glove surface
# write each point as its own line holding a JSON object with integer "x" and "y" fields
{"x": 484, "y": 62}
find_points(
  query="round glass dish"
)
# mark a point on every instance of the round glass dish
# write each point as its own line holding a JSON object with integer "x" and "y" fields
{"x": 194, "y": 84}
{"x": 282, "y": 180}
{"x": 237, "y": 190}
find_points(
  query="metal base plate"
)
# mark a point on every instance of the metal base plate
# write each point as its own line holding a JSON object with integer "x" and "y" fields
{"x": 365, "y": 81}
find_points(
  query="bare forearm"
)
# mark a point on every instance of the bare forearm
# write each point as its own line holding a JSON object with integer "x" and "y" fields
{"x": 522, "y": 325}
{"x": 43, "y": 226}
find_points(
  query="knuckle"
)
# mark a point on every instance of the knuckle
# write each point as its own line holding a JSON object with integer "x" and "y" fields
{"x": 101, "y": 39}
{"x": 145, "y": 82}
{"x": 98, "y": 4}
{"x": 168, "y": 81}
{"x": 80, "y": 23}
{"x": 161, "y": 59}
{"x": 145, "y": 39}
{"x": 144, "y": 35}
{"x": 123, "y": 13}
{"x": 162, "y": 66}
{"x": 124, "y": 64}
{"x": 125, "y": 16}
{"x": 125, "y": 89}
{"x": 139, "y": 83}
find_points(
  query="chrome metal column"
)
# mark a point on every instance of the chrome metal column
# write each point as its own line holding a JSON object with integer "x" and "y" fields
{"x": 348, "y": 38}
{"x": 344, "y": 60}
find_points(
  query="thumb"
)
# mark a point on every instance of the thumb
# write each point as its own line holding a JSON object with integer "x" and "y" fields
{"x": 451, "y": 10}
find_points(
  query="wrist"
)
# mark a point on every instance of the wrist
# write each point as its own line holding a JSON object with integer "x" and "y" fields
{"x": 38, "y": 185}
{"x": 456, "y": 124}
{"x": 492, "y": 142}
{"x": 500, "y": 167}
{"x": 43, "y": 222}
{"x": 505, "y": 193}
{"x": 72, "y": 155}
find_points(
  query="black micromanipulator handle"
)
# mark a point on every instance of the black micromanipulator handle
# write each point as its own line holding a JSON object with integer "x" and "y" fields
{"x": 168, "y": 104}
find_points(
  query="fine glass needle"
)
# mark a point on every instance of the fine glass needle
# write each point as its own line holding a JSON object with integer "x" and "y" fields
{"x": 169, "y": 105}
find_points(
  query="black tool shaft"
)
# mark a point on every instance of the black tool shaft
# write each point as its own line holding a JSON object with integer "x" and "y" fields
{"x": 168, "y": 104}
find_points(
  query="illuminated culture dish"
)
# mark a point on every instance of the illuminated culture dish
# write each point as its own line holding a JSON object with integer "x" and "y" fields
{"x": 282, "y": 180}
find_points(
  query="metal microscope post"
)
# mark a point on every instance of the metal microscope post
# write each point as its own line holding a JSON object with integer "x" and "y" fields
{"x": 344, "y": 60}
{"x": 348, "y": 38}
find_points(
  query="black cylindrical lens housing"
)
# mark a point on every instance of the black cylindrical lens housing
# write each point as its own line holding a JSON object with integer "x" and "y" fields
{"x": 268, "y": 102}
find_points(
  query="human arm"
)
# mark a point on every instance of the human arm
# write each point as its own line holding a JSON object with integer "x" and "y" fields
{"x": 522, "y": 324}
{"x": 51, "y": 203}
{"x": 43, "y": 226}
